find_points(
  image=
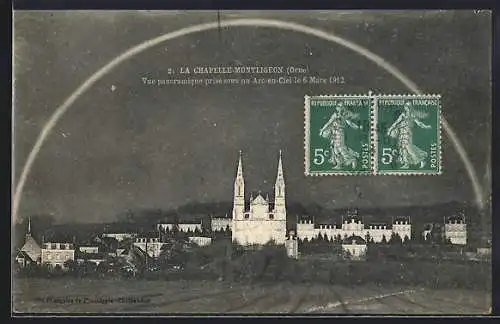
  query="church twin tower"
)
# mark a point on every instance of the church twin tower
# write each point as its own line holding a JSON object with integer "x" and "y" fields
{"x": 263, "y": 221}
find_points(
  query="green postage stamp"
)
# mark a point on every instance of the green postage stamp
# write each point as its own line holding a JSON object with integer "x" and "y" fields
{"x": 408, "y": 134}
{"x": 373, "y": 134}
{"x": 338, "y": 135}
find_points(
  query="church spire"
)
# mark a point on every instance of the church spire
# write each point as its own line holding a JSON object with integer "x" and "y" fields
{"x": 279, "y": 191}
{"x": 280, "y": 168}
{"x": 239, "y": 191}
{"x": 28, "y": 233}
{"x": 239, "y": 173}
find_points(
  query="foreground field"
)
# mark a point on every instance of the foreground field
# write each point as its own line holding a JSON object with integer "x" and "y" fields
{"x": 164, "y": 297}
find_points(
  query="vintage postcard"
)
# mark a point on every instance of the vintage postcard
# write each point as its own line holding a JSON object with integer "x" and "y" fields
{"x": 215, "y": 163}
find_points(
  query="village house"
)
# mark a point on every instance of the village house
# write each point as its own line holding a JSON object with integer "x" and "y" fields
{"x": 88, "y": 249}
{"x": 57, "y": 253}
{"x": 97, "y": 257}
{"x": 355, "y": 247}
{"x": 149, "y": 244}
{"x": 120, "y": 236}
{"x": 200, "y": 240}
{"x": 30, "y": 252}
{"x": 455, "y": 229}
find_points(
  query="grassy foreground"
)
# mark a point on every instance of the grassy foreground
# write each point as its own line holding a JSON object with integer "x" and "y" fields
{"x": 36, "y": 295}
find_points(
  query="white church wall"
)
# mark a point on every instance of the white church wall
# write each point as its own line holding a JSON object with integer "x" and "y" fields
{"x": 182, "y": 227}
{"x": 402, "y": 230}
{"x": 248, "y": 232}
{"x": 377, "y": 232}
{"x": 308, "y": 230}
{"x": 305, "y": 230}
{"x": 221, "y": 224}
{"x": 353, "y": 226}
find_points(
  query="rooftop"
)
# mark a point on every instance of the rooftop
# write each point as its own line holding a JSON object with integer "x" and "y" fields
{"x": 354, "y": 240}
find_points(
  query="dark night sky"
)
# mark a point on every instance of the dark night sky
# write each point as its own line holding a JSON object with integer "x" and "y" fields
{"x": 147, "y": 147}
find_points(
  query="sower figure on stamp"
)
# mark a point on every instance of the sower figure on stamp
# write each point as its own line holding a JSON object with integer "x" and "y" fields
{"x": 402, "y": 130}
{"x": 334, "y": 130}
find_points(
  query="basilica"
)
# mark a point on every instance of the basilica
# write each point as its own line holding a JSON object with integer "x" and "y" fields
{"x": 261, "y": 220}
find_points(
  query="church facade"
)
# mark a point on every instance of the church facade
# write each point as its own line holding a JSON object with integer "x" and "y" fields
{"x": 261, "y": 221}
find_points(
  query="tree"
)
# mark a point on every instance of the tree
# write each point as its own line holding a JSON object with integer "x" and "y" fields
{"x": 395, "y": 239}
{"x": 384, "y": 240}
{"x": 406, "y": 240}
{"x": 87, "y": 268}
{"x": 58, "y": 269}
{"x": 71, "y": 265}
{"x": 103, "y": 268}
{"x": 347, "y": 254}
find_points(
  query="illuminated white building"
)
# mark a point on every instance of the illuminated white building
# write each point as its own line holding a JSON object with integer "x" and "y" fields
{"x": 151, "y": 245}
{"x": 263, "y": 221}
{"x": 355, "y": 246}
{"x": 221, "y": 223}
{"x": 56, "y": 254}
{"x": 182, "y": 227}
{"x": 353, "y": 225}
{"x": 120, "y": 236}
{"x": 200, "y": 240}
{"x": 455, "y": 229}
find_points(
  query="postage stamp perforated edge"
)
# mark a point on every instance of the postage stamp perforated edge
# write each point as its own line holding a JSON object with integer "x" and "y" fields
{"x": 307, "y": 108}
{"x": 376, "y": 97}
